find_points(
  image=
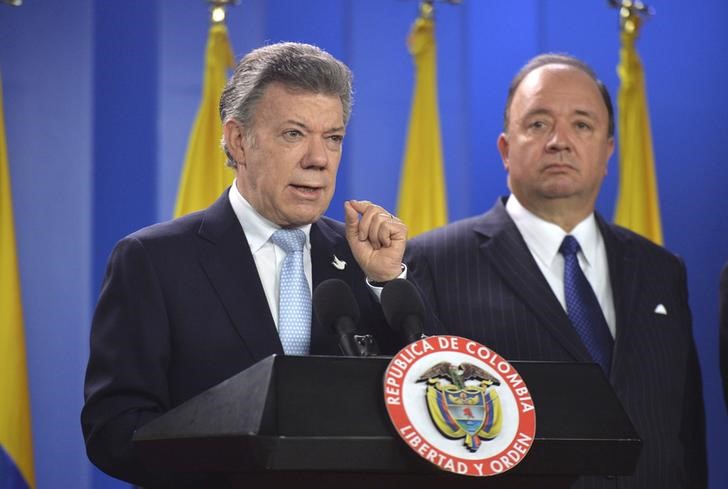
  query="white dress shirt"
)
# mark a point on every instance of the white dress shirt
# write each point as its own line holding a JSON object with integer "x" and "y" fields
{"x": 268, "y": 256}
{"x": 544, "y": 238}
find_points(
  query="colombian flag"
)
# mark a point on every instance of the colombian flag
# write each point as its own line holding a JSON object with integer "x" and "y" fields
{"x": 638, "y": 203}
{"x": 204, "y": 175}
{"x": 16, "y": 448}
{"x": 422, "y": 203}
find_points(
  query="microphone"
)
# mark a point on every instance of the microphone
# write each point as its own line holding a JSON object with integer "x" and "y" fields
{"x": 337, "y": 309}
{"x": 403, "y": 308}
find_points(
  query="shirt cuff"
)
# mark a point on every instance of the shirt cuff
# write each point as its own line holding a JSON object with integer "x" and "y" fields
{"x": 376, "y": 287}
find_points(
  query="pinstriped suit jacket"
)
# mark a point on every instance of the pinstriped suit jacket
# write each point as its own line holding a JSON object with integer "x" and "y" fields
{"x": 483, "y": 283}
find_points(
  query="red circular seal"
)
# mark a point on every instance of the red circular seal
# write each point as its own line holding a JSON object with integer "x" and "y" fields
{"x": 460, "y": 405}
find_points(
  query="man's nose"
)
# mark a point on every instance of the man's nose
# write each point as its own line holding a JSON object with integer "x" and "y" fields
{"x": 317, "y": 155}
{"x": 559, "y": 139}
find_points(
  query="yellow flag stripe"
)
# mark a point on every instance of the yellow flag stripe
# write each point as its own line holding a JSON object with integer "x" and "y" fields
{"x": 422, "y": 203}
{"x": 638, "y": 205}
{"x": 15, "y": 429}
{"x": 204, "y": 175}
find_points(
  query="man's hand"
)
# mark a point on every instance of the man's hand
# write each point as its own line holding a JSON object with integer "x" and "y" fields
{"x": 376, "y": 238}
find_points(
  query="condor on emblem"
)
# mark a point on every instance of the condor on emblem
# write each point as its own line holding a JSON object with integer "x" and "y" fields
{"x": 460, "y": 405}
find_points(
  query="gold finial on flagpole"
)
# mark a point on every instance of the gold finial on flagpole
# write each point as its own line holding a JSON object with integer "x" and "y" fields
{"x": 632, "y": 13}
{"x": 427, "y": 7}
{"x": 217, "y": 9}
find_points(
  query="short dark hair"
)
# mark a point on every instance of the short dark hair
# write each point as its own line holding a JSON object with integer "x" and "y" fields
{"x": 557, "y": 59}
{"x": 295, "y": 65}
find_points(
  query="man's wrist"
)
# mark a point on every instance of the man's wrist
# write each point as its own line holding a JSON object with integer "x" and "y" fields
{"x": 402, "y": 274}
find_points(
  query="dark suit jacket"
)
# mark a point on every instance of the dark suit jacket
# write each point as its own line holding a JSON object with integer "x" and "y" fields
{"x": 182, "y": 309}
{"x": 723, "y": 331}
{"x": 484, "y": 284}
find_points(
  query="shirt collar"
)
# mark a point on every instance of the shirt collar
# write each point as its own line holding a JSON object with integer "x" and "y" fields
{"x": 258, "y": 229}
{"x": 544, "y": 238}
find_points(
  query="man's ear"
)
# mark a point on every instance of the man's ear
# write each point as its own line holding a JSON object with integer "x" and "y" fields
{"x": 503, "y": 148}
{"x": 234, "y": 135}
{"x": 610, "y": 151}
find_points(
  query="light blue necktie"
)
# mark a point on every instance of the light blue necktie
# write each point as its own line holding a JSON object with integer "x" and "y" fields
{"x": 294, "y": 299}
{"x": 583, "y": 307}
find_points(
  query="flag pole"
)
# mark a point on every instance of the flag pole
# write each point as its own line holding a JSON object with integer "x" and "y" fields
{"x": 217, "y": 9}
{"x": 631, "y": 13}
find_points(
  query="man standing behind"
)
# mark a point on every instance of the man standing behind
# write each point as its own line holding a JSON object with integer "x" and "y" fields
{"x": 188, "y": 303}
{"x": 541, "y": 276}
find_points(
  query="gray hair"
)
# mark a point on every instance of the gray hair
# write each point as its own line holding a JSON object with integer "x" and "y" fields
{"x": 557, "y": 59}
{"x": 295, "y": 65}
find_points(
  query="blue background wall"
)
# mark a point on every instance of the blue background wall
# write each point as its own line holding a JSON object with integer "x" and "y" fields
{"x": 100, "y": 96}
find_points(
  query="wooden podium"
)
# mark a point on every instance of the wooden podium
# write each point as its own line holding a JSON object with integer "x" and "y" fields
{"x": 320, "y": 422}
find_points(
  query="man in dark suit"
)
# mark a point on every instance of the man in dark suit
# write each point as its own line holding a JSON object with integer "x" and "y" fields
{"x": 499, "y": 278}
{"x": 188, "y": 303}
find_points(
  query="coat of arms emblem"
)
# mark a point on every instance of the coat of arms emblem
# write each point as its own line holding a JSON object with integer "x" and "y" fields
{"x": 463, "y": 402}
{"x": 480, "y": 419}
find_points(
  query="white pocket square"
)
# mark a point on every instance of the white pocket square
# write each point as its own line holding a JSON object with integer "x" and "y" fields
{"x": 660, "y": 309}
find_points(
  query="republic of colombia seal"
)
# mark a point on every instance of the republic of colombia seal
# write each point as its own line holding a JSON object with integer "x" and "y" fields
{"x": 460, "y": 405}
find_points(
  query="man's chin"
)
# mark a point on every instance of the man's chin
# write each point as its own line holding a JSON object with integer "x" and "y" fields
{"x": 559, "y": 189}
{"x": 302, "y": 217}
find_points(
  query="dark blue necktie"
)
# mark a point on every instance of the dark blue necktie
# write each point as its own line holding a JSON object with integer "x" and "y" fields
{"x": 583, "y": 307}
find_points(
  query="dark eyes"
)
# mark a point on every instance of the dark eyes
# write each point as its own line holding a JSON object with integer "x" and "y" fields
{"x": 293, "y": 133}
{"x": 333, "y": 141}
{"x": 541, "y": 125}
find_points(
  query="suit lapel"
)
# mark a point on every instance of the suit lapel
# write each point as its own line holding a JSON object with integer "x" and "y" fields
{"x": 624, "y": 280}
{"x": 508, "y": 253}
{"x": 325, "y": 244}
{"x": 226, "y": 258}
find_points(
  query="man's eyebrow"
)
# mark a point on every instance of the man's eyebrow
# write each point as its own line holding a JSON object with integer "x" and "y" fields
{"x": 296, "y": 123}
{"x": 537, "y": 111}
{"x": 304, "y": 126}
{"x": 580, "y": 112}
{"x": 586, "y": 113}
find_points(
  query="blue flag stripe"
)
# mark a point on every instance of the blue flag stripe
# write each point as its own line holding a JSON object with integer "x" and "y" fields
{"x": 10, "y": 477}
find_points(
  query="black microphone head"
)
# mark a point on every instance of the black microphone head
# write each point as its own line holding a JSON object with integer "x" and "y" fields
{"x": 332, "y": 300}
{"x": 401, "y": 300}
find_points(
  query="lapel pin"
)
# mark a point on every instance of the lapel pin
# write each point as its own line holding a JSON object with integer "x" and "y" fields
{"x": 660, "y": 309}
{"x": 338, "y": 264}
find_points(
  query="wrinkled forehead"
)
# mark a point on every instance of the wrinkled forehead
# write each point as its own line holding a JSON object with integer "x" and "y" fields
{"x": 284, "y": 101}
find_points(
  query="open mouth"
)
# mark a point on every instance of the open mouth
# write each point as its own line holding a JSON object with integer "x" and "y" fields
{"x": 306, "y": 190}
